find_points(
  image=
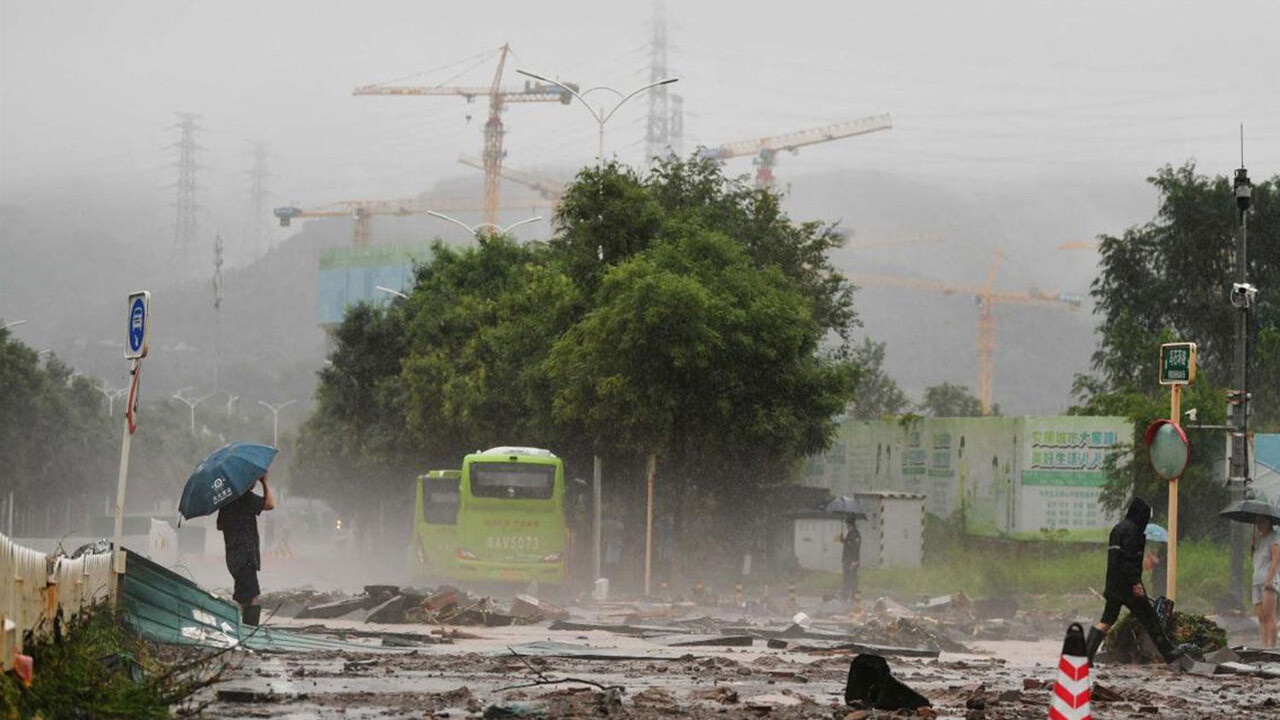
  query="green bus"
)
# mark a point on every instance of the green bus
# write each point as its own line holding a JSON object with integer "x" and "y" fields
{"x": 508, "y": 519}
{"x": 435, "y": 524}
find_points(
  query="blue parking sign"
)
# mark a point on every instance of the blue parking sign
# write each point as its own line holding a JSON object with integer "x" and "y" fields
{"x": 135, "y": 345}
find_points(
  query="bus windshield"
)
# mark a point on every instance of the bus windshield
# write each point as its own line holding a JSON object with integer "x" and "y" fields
{"x": 512, "y": 480}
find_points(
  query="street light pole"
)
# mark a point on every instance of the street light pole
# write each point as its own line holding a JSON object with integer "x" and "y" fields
{"x": 600, "y": 115}
{"x": 191, "y": 404}
{"x": 111, "y": 394}
{"x": 275, "y": 419}
{"x": 13, "y": 323}
{"x": 1242, "y": 298}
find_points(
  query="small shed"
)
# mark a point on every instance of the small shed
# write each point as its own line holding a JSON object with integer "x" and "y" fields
{"x": 892, "y": 533}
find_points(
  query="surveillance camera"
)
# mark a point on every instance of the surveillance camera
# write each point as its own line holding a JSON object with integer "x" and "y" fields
{"x": 1243, "y": 295}
{"x": 1191, "y": 415}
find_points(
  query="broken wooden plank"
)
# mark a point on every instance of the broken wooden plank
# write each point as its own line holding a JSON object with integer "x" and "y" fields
{"x": 861, "y": 648}
{"x": 684, "y": 640}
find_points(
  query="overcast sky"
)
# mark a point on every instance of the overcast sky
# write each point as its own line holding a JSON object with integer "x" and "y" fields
{"x": 981, "y": 91}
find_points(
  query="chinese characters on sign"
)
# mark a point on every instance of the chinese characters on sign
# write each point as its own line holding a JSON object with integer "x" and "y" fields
{"x": 1177, "y": 363}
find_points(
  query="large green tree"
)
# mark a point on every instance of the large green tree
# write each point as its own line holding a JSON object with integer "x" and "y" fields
{"x": 677, "y": 312}
{"x": 60, "y": 450}
{"x": 1170, "y": 279}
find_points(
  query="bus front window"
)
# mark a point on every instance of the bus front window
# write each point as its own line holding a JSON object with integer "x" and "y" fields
{"x": 512, "y": 480}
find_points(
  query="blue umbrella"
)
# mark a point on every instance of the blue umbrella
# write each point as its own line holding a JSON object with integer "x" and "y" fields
{"x": 1155, "y": 533}
{"x": 224, "y": 476}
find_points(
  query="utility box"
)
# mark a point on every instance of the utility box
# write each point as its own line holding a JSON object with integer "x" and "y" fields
{"x": 892, "y": 533}
{"x": 818, "y": 537}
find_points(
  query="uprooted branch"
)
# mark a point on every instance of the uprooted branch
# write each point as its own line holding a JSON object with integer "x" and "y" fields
{"x": 544, "y": 680}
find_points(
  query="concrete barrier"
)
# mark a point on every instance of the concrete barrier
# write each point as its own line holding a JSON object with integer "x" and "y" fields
{"x": 34, "y": 586}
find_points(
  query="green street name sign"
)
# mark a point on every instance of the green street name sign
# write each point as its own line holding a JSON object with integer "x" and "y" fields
{"x": 1177, "y": 363}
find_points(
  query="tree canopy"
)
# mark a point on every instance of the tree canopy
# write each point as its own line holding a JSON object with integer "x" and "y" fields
{"x": 948, "y": 400}
{"x": 678, "y": 312}
{"x": 1168, "y": 280}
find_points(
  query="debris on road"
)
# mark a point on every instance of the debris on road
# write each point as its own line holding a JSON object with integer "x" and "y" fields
{"x": 872, "y": 684}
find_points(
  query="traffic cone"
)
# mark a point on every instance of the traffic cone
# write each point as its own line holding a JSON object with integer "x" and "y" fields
{"x": 1073, "y": 688}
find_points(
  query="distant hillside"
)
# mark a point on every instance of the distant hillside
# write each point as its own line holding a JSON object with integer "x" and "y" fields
{"x": 66, "y": 266}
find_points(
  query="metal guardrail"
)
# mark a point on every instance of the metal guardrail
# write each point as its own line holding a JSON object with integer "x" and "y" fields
{"x": 34, "y": 586}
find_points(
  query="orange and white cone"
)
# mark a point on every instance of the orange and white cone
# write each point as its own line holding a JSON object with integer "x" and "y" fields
{"x": 1073, "y": 688}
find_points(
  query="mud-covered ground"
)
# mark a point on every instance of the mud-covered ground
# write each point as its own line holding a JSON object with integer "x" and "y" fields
{"x": 480, "y": 677}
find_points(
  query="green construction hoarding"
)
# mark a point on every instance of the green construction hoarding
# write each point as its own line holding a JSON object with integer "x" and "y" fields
{"x": 1014, "y": 476}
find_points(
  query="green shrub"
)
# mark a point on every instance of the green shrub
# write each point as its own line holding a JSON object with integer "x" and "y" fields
{"x": 99, "y": 668}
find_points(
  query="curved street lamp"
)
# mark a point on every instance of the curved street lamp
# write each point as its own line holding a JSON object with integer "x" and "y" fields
{"x": 389, "y": 291}
{"x": 275, "y": 418}
{"x": 475, "y": 229}
{"x": 600, "y": 115}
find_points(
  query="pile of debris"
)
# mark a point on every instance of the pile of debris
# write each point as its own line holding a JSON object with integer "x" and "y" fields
{"x": 392, "y": 604}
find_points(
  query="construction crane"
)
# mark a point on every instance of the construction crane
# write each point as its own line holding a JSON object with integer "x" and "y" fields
{"x": 545, "y": 187}
{"x": 499, "y": 98}
{"x": 766, "y": 149}
{"x": 1079, "y": 245}
{"x": 363, "y": 212}
{"x": 894, "y": 242}
{"x": 986, "y": 298}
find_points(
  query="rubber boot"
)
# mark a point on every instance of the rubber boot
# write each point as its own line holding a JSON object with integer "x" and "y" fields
{"x": 1093, "y": 642}
{"x": 1182, "y": 650}
{"x": 251, "y": 614}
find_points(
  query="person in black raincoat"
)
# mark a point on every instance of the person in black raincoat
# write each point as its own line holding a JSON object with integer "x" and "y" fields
{"x": 1125, "y": 552}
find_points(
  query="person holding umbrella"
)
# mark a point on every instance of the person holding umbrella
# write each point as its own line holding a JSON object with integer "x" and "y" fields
{"x": 224, "y": 483}
{"x": 1266, "y": 559}
{"x": 850, "y": 557}
{"x": 238, "y": 522}
{"x": 1266, "y": 576}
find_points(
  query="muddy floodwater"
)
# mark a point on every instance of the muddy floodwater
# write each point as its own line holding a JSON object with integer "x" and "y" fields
{"x": 597, "y": 674}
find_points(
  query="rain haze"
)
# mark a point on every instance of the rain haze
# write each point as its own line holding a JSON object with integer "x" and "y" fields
{"x": 1016, "y": 126}
{"x": 923, "y": 333}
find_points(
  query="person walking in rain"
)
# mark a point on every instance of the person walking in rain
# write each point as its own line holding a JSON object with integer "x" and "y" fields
{"x": 238, "y": 522}
{"x": 1266, "y": 577}
{"x": 1125, "y": 553}
{"x": 850, "y": 558}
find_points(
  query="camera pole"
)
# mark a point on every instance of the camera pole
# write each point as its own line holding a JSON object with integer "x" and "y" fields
{"x": 1238, "y": 399}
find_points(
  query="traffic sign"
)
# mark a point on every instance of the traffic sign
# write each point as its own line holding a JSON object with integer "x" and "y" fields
{"x": 1169, "y": 450}
{"x": 135, "y": 344}
{"x": 1177, "y": 363}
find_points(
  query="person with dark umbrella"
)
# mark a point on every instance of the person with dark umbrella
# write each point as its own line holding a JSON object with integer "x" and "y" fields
{"x": 238, "y": 522}
{"x": 1126, "y": 548}
{"x": 850, "y": 557}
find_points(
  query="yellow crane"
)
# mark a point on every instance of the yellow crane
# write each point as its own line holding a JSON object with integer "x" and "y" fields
{"x": 499, "y": 98}
{"x": 363, "y": 212}
{"x": 766, "y": 149}
{"x": 1079, "y": 245}
{"x": 986, "y": 298}
{"x": 544, "y": 186}
{"x": 894, "y": 242}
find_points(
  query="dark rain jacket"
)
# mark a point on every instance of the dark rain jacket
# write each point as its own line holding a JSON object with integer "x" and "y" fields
{"x": 1125, "y": 549}
{"x": 851, "y": 550}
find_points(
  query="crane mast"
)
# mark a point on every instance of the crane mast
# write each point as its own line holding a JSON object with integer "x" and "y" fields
{"x": 494, "y": 131}
{"x": 986, "y": 298}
